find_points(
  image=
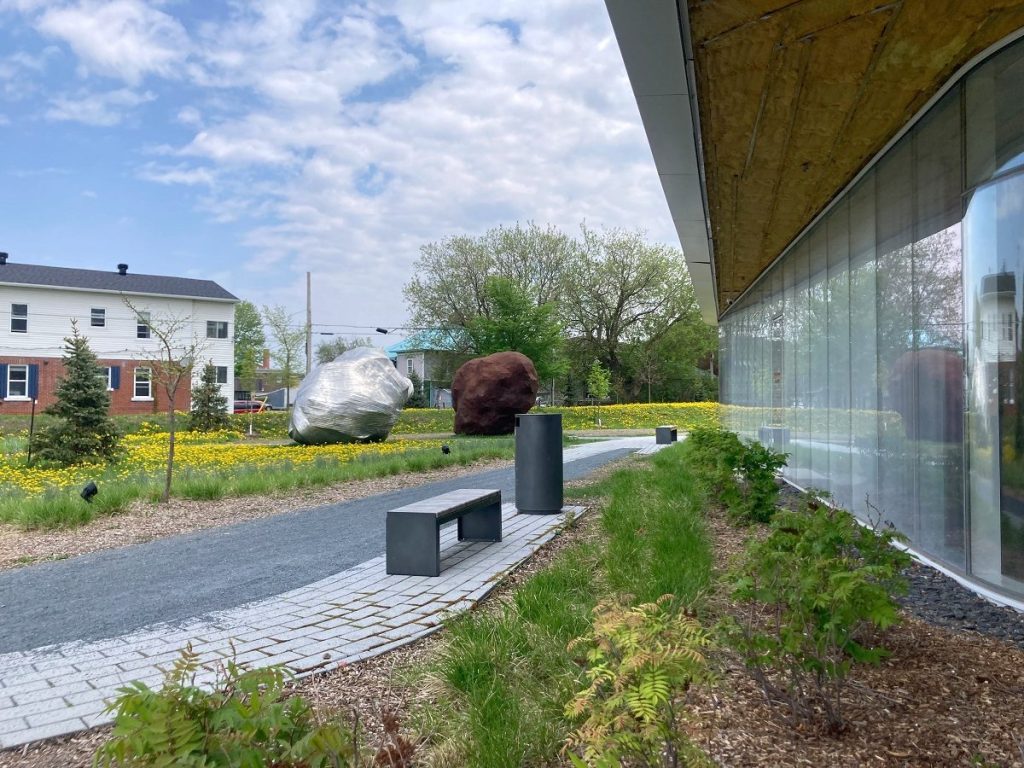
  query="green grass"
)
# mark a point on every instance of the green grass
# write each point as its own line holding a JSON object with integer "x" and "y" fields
{"x": 505, "y": 676}
{"x": 66, "y": 509}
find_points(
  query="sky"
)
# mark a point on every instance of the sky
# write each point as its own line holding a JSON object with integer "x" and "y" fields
{"x": 251, "y": 142}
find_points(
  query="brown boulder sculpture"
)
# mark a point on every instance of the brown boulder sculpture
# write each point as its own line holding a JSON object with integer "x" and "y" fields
{"x": 488, "y": 392}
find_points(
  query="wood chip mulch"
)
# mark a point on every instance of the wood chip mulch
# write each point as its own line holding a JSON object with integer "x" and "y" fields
{"x": 943, "y": 698}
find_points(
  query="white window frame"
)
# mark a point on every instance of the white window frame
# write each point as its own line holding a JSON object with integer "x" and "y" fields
{"x": 109, "y": 371}
{"x": 17, "y": 316}
{"x": 142, "y": 325}
{"x": 410, "y": 365}
{"x": 22, "y": 382}
{"x": 219, "y": 369}
{"x": 214, "y": 327}
{"x": 147, "y": 380}
{"x": 97, "y": 317}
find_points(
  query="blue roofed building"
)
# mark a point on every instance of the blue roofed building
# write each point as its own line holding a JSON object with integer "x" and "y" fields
{"x": 433, "y": 355}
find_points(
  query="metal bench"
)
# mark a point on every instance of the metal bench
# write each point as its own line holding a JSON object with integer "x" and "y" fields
{"x": 413, "y": 536}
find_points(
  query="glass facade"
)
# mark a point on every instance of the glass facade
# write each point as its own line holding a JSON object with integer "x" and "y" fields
{"x": 883, "y": 350}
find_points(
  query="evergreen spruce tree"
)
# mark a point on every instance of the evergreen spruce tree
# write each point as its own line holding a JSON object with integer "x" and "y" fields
{"x": 417, "y": 399}
{"x": 85, "y": 431}
{"x": 209, "y": 406}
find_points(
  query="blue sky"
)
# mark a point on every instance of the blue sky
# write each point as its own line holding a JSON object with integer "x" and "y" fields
{"x": 249, "y": 142}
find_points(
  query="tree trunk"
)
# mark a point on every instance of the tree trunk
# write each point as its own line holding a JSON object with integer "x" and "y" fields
{"x": 170, "y": 450}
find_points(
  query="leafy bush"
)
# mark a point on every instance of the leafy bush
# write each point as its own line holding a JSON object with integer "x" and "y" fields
{"x": 640, "y": 660}
{"x": 818, "y": 588}
{"x": 760, "y": 491}
{"x": 243, "y": 721}
{"x": 739, "y": 476}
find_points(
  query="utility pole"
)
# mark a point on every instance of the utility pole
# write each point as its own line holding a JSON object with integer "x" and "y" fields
{"x": 309, "y": 325}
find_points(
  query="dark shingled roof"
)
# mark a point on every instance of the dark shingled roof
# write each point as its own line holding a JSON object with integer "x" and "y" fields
{"x": 97, "y": 280}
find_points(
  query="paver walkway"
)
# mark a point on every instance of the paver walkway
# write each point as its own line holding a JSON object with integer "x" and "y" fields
{"x": 349, "y": 615}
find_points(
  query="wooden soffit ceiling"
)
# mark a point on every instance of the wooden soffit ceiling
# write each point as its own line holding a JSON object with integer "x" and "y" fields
{"x": 796, "y": 97}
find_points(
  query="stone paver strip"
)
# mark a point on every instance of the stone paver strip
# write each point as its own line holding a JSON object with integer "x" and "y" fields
{"x": 346, "y": 617}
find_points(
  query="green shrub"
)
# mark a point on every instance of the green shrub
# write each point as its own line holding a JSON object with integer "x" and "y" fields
{"x": 817, "y": 590}
{"x": 640, "y": 661}
{"x": 243, "y": 721}
{"x": 760, "y": 490}
{"x": 739, "y": 476}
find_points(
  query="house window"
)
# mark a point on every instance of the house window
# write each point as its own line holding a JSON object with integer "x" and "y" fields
{"x": 216, "y": 329}
{"x": 19, "y": 318}
{"x": 17, "y": 381}
{"x": 409, "y": 367}
{"x": 1008, "y": 326}
{"x": 143, "y": 383}
{"x": 142, "y": 325}
{"x": 98, "y": 318}
{"x": 222, "y": 374}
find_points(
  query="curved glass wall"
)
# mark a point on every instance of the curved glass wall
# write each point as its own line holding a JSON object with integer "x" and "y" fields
{"x": 883, "y": 351}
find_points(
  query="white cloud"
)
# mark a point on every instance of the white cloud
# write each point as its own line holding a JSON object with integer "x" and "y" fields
{"x": 339, "y": 138}
{"x": 177, "y": 175}
{"x": 126, "y": 39}
{"x": 99, "y": 109}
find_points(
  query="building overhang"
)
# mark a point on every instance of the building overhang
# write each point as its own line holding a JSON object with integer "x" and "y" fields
{"x": 760, "y": 112}
{"x": 651, "y": 37}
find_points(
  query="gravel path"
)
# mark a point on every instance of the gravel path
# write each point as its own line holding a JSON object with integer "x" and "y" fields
{"x": 109, "y": 593}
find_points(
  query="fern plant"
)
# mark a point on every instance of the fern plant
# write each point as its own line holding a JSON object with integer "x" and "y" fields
{"x": 243, "y": 721}
{"x": 639, "y": 661}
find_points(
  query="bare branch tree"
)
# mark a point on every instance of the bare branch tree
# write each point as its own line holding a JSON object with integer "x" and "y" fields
{"x": 171, "y": 363}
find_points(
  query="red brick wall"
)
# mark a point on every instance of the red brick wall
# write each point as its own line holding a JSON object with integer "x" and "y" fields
{"x": 51, "y": 369}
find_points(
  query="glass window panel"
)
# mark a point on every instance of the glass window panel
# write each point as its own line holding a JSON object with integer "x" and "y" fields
{"x": 994, "y": 116}
{"x": 894, "y": 217}
{"x": 936, "y": 424}
{"x": 817, "y": 330}
{"x": 994, "y": 272}
{"x": 865, "y": 417}
{"x": 838, "y": 305}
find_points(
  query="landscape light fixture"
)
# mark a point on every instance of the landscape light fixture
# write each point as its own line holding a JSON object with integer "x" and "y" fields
{"x": 382, "y": 330}
{"x": 445, "y": 450}
{"x": 89, "y": 491}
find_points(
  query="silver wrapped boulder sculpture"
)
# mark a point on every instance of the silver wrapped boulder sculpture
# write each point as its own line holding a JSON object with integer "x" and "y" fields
{"x": 356, "y": 398}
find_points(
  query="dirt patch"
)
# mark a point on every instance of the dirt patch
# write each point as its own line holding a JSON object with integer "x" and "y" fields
{"x": 145, "y": 521}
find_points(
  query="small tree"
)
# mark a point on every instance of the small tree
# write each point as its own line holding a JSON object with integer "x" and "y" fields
{"x": 290, "y": 341}
{"x": 417, "y": 399}
{"x": 175, "y": 355}
{"x": 599, "y": 384}
{"x": 209, "y": 406}
{"x": 85, "y": 431}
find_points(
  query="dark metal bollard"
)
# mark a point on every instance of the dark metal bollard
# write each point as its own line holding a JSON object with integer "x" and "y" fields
{"x": 539, "y": 463}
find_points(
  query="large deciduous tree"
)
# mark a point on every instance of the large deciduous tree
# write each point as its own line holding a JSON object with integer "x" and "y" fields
{"x": 620, "y": 290}
{"x": 516, "y": 324}
{"x": 449, "y": 284}
{"x": 328, "y": 351}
